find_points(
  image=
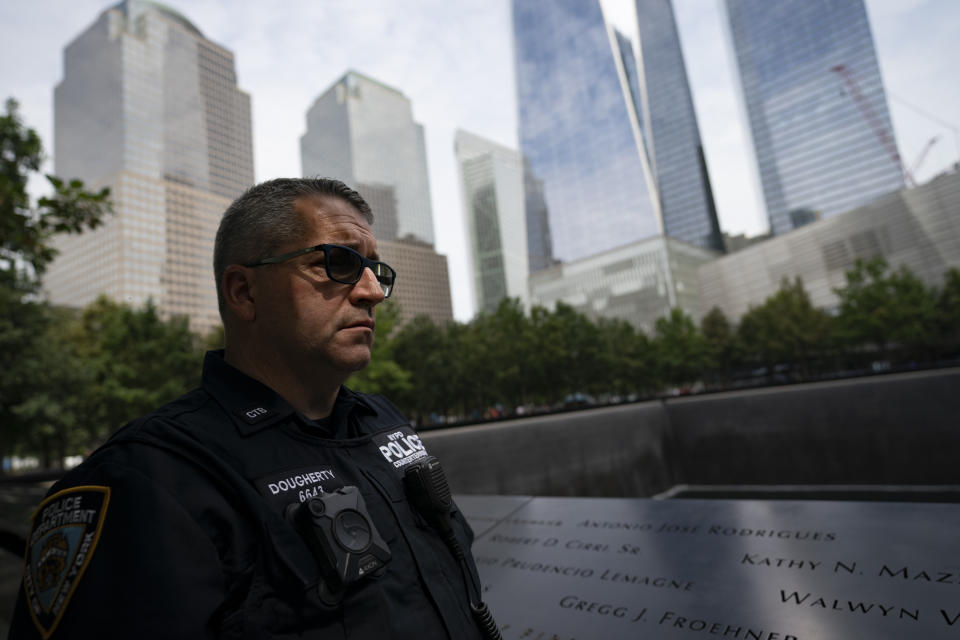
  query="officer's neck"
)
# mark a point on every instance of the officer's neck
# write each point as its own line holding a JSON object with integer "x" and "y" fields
{"x": 312, "y": 393}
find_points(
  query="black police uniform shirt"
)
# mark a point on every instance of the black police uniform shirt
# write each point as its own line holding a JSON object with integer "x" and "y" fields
{"x": 175, "y": 529}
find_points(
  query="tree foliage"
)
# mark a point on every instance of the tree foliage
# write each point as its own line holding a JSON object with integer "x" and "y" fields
{"x": 509, "y": 358}
{"x": 27, "y": 356}
{"x": 883, "y": 307}
{"x": 948, "y": 309}
{"x": 134, "y": 361}
{"x": 25, "y": 231}
{"x": 721, "y": 347}
{"x": 383, "y": 374}
{"x": 92, "y": 370}
{"x": 680, "y": 349}
{"x": 96, "y": 368}
{"x": 786, "y": 328}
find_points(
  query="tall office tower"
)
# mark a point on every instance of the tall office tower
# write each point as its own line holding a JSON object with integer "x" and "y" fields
{"x": 673, "y": 143}
{"x": 491, "y": 182}
{"x": 362, "y": 132}
{"x": 816, "y": 107}
{"x": 149, "y": 107}
{"x": 539, "y": 243}
{"x": 575, "y": 132}
{"x": 613, "y": 143}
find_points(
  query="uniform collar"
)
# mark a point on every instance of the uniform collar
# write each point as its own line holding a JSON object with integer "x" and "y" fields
{"x": 252, "y": 405}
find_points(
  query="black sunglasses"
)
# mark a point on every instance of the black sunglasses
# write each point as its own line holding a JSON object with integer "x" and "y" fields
{"x": 343, "y": 265}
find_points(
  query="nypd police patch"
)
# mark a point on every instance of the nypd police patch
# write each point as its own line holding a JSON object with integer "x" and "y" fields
{"x": 400, "y": 447}
{"x": 64, "y": 531}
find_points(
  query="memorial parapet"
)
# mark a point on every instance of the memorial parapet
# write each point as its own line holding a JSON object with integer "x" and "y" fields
{"x": 587, "y": 569}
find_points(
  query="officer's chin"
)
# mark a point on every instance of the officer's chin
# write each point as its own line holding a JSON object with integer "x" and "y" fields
{"x": 356, "y": 361}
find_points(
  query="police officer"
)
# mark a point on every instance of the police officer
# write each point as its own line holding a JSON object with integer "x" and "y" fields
{"x": 271, "y": 502}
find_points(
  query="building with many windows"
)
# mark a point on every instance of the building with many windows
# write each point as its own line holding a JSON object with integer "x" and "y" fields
{"x": 609, "y": 138}
{"x": 917, "y": 228}
{"x": 815, "y": 105}
{"x": 149, "y": 107}
{"x": 673, "y": 143}
{"x": 491, "y": 185}
{"x": 362, "y": 132}
{"x": 574, "y": 130}
{"x": 423, "y": 280}
{"x": 638, "y": 283}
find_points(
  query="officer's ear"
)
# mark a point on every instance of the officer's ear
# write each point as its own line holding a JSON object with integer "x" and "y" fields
{"x": 237, "y": 287}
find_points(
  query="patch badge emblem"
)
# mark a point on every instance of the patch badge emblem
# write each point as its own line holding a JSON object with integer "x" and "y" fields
{"x": 64, "y": 531}
{"x": 400, "y": 447}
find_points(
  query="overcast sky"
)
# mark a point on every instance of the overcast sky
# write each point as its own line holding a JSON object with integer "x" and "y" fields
{"x": 453, "y": 59}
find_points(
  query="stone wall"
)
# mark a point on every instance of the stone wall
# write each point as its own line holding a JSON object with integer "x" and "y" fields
{"x": 891, "y": 429}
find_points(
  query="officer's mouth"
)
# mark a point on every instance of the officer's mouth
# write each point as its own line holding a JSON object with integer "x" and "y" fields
{"x": 362, "y": 324}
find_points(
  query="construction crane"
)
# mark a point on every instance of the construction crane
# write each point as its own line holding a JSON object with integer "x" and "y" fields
{"x": 922, "y": 155}
{"x": 882, "y": 132}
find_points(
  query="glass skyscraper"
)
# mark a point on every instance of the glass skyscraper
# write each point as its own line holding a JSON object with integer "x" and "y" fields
{"x": 673, "y": 142}
{"x": 149, "y": 107}
{"x": 491, "y": 179}
{"x": 816, "y": 107}
{"x": 574, "y": 129}
{"x": 362, "y": 132}
{"x": 591, "y": 120}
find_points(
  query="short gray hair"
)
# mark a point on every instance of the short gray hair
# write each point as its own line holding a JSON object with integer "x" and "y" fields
{"x": 262, "y": 220}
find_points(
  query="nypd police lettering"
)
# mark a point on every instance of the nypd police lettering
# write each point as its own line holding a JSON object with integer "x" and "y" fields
{"x": 67, "y": 510}
{"x": 400, "y": 448}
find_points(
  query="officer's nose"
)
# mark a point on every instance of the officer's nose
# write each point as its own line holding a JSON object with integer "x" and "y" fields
{"x": 367, "y": 290}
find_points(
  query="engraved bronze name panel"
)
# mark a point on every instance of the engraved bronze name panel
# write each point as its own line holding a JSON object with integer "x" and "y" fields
{"x": 588, "y": 568}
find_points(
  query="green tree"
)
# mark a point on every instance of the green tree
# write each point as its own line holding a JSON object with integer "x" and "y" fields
{"x": 948, "y": 309}
{"x": 451, "y": 360}
{"x": 627, "y": 360}
{"x": 26, "y": 232}
{"x": 383, "y": 374}
{"x": 568, "y": 345}
{"x": 500, "y": 356}
{"x": 721, "y": 348}
{"x": 433, "y": 357}
{"x": 680, "y": 348}
{"x": 22, "y": 324}
{"x": 26, "y": 250}
{"x": 135, "y": 362}
{"x": 786, "y": 329}
{"x": 58, "y": 379}
{"x": 884, "y": 308}
{"x": 213, "y": 339}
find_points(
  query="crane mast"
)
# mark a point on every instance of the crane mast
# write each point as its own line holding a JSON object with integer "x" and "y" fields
{"x": 882, "y": 132}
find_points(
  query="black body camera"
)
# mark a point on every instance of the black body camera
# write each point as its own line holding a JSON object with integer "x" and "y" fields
{"x": 342, "y": 537}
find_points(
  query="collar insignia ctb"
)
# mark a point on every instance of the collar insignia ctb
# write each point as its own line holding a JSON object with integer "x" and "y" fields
{"x": 253, "y": 415}
{"x": 64, "y": 532}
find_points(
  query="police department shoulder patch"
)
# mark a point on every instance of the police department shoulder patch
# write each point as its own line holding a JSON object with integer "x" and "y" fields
{"x": 64, "y": 531}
